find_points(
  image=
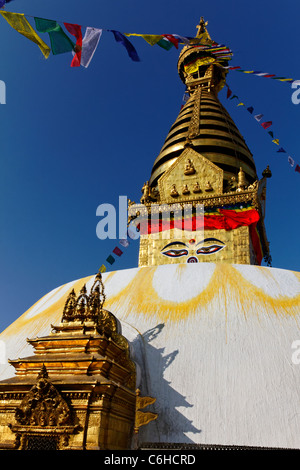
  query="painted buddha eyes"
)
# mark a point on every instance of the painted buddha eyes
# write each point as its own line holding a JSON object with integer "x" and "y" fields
{"x": 208, "y": 250}
{"x": 180, "y": 249}
{"x": 175, "y": 253}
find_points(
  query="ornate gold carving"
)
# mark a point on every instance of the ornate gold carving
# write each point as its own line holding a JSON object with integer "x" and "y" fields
{"x": 242, "y": 183}
{"x": 43, "y": 412}
{"x": 267, "y": 172}
{"x": 185, "y": 189}
{"x": 86, "y": 307}
{"x": 174, "y": 192}
{"x": 189, "y": 167}
{"x": 208, "y": 187}
{"x": 174, "y": 177}
{"x": 143, "y": 418}
{"x": 195, "y": 119}
{"x": 196, "y": 188}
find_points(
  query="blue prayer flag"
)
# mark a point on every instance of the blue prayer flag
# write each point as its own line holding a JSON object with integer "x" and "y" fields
{"x": 119, "y": 37}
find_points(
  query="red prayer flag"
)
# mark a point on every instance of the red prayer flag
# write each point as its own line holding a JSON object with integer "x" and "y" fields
{"x": 229, "y": 92}
{"x": 117, "y": 251}
{"x": 75, "y": 29}
{"x": 297, "y": 168}
{"x": 267, "y": 124}
{"x": 172, "y": 39}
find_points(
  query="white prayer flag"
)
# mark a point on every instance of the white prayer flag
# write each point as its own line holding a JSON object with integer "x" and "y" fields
{"x": 89, "y": 45}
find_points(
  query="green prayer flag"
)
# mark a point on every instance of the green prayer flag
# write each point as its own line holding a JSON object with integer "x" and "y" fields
{"x": 60, "y": 42}
{"x": 110, "y": 259}
{"x": 165, "y": 44}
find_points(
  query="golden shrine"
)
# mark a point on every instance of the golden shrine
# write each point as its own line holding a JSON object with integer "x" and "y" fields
{"x": 78, "y": 391}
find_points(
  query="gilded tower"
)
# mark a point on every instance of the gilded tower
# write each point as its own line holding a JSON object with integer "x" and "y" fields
{"x": 203, "y": 201}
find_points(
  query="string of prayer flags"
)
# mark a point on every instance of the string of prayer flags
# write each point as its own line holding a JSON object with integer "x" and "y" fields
{"x": 89, "y": 45}
{"x": 261, "y": 74}
{"x": 75, "y": 30}
{"x": 18, "y": 22}
{"x": 116, "y": 251}
{"x": 119, "y": 37}
{"x": 266, "y": 125}
{"x": 60, "y": 42}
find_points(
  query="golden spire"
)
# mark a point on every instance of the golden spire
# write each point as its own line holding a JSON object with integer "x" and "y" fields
{"x": 201, "y": 28}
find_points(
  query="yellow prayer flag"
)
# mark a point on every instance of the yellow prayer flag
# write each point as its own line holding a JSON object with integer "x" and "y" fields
{"x": 276, "y": 141}
{"x": 102, "y": 269}
{"x": 241, "y": 104}
{"x": 20, "y": 24}
{"x": 151, "y": 39}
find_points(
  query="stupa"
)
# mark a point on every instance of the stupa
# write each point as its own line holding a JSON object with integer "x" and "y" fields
{"x": 192, "y": 349}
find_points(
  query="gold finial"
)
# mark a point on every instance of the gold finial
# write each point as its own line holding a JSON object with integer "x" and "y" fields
{"x": 201, "y": 28}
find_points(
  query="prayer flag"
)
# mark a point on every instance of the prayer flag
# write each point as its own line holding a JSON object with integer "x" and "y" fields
{"x": 271, "y": 134}
{"x": 240, "y": 104}
{"x": 119, "y": 37}
{"x": 102, "y": 269}
{"x": 110, "y": 259}
{"x": 165, "y": 44}
{"x": 171, "y": 38}
{"x": 297, "y": 168}
{"x": 234, "y": 96}
{"x": 182, "y": 38}
{"x": 124, "y": 243}
{"x": 117, "y": 251}
{"x": 89, "y": 45}
{"x": 229, "y": 93}
{"x": 258, "y": 117}
{"x": 60, "y": 42}
{"x": 266, "y": 124}
{"x": 276, "y": 141}
{"x": 281, "y": 150}
{"x": 151, "y": 39}
{"x": 75, "y": 30}
{"x": 250, "y": 109}
{"x": 20, "y": 24}
{"x": 291, "y": 161}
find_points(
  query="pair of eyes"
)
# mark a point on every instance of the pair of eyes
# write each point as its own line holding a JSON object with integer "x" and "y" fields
{"x": 203, "y": 250}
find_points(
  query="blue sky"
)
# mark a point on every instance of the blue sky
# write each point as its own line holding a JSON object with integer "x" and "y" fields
{"x": 72, "y": 139}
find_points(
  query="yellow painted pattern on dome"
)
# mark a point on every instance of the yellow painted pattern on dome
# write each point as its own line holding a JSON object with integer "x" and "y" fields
{"x": 31, "y": 325}
{"x": 225, "y": 287}
{"x": 225, "y": 291}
